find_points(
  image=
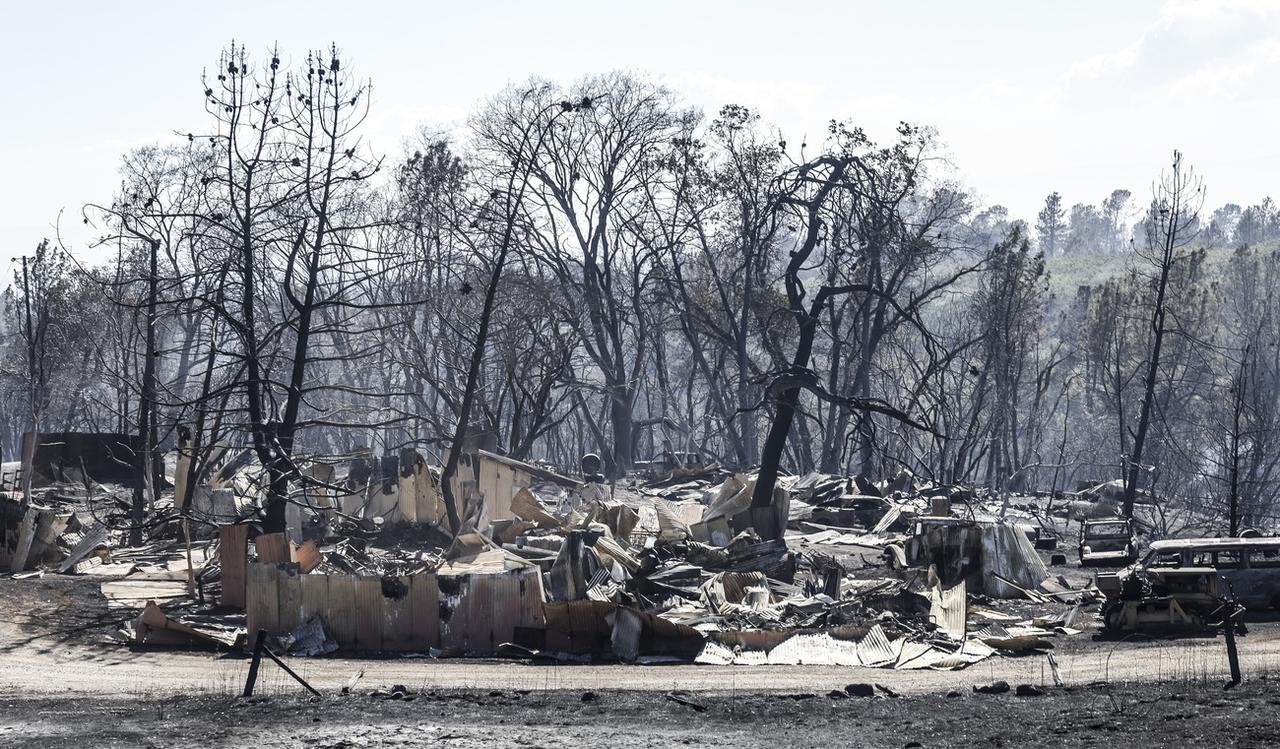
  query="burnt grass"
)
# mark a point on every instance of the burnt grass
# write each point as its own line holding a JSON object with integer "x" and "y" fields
{"x": 1202, "y": 714}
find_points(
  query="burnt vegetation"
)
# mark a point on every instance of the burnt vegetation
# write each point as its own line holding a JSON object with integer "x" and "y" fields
{"x": 598, "y": 267}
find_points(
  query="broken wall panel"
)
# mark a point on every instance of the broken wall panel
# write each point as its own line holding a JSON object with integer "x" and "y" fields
{"x": 481, "y": 611}
{"x": 340, "y": 614}
{"x": 22, "y": 539}
{"x": 1008, "y": 555}
{"x": 426, "y": 491}
{"x": 424, "y": 602}
{"x": 398, "y": 629}
{"x": 578, "y": 627}
{"x": 636, "y": 634}
{"x": 273, "y": 548}
{"x": 953, "y": 546}
{"x": 408, "y": 494}
{"x": 307, "y": 556}
{"x": 455, "y": 621}
{"x": 315, "y": 597}
{"x": 90, "y": 540}
{"x": 49, "y": 526}
{"x": 367, "y": 613}
{"x": 947, "y": 606}
{"x": 369, "y": 620}
{"x": 233, "y": 548}
{"x": 29, "y": 535}
{"x": 288, "y": 596}
{"x": 262, "y": 600}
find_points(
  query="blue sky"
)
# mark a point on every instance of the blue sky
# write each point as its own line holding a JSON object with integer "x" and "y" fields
{"x": 1030, "y": 97}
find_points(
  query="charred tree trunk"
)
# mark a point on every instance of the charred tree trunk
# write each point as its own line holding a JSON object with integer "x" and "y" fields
{"x": 146, "y": 481}
{"x": 1170, "y": 212}
{"x": 513, "y": 197}
{"x": 788, "y": 399}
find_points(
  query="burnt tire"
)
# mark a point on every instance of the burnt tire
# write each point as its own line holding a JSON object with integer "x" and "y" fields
{"x": 1113, "y": 617}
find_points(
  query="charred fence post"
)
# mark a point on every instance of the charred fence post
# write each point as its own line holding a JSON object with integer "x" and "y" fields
{"x": 259, "y": 649}
{"x": 257, "y": 660}
{"x": 1229, "y": 624}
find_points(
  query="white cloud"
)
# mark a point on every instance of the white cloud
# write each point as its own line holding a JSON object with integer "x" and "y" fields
{"x": 1249, "y": 72}
{"x": 1211, "y": 47}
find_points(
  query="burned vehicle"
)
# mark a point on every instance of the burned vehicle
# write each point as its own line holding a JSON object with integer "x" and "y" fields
{"x": 1187, "y": 583}
{"x": 1107, "y": 542}
{"x": 1159, "y": 598}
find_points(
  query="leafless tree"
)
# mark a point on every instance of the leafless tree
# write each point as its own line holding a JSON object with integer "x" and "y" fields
{"x": 1173, "y": 215}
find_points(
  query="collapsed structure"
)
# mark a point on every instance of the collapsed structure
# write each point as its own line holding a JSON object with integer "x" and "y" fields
{"x": 899, "y": 573}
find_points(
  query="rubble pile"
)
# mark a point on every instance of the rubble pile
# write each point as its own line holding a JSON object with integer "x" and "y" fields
{"x": 836, "y": 570}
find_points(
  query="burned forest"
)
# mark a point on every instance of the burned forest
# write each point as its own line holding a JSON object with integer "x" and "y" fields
{"x": 608, "y": 402}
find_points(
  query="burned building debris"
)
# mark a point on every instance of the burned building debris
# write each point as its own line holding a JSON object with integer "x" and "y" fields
{"x": 670, "y": 568}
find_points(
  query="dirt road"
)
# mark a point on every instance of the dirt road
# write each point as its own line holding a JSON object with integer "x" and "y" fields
{"x": 64, "y": 684}
{"x": 53, "y": 641}
{"x": 37, "y": 669}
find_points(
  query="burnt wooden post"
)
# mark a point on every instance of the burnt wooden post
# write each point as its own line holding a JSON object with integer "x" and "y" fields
{"x": 289, "y": 671}
{"x": 253, "y": 664}
{"x": 259, "y": 649}
{"x": 1229, "y": 629}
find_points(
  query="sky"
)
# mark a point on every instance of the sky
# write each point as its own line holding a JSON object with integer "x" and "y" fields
{"x": 1028, "y": 97}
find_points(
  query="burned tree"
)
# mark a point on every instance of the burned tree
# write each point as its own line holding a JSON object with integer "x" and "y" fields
{"x": 810, "y": 191}
{"x": 1171, "y": 224}
{"x": 585, "y": 188}
{"x": 714, "y": 212}
{"x": 500, "y": 219}
{"x": 290, "y": 173}
{"x": 154, "y": 220}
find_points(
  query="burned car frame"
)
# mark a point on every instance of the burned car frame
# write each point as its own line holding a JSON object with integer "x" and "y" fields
{"x": 1107, "y": 542}
{"x": 1184, "y": 582}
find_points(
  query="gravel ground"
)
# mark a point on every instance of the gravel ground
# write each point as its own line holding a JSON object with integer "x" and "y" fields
{"x": 63, "y": 682}
{"x": 1132, "y": 715}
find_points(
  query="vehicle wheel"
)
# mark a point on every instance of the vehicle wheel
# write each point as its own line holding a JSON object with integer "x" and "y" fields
{"x": 1113, "y": 617}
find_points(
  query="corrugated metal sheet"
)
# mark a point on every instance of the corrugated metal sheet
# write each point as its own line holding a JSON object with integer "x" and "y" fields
{"x": 889, "y": 518}
{"x": 636, "y": 634}
{"x": 815, "y": 650}
{"x": 360, "y": 612}
{"x": 947, "y": 609}
{"x": 751, "y": 658}
{"x": 670, "y": 526}
{"x": 714, "y": 654}
{"x": 577, "y": 627}
{"x": 916, "y": 655}
{"x": 1007, "y": 552}
{"x": 368, "y": 613}
{"x": 498, "y": 603}
{"x": 875, "y": 650}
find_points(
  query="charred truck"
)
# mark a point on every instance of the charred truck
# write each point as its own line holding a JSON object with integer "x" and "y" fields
{"x": 1107, "y": 542}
